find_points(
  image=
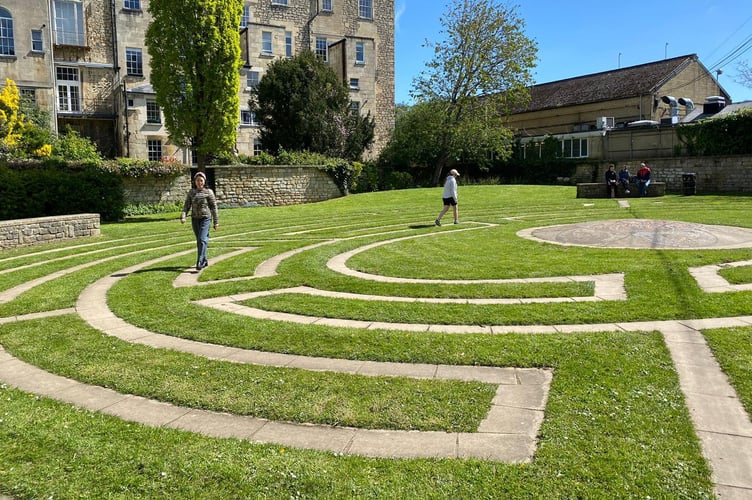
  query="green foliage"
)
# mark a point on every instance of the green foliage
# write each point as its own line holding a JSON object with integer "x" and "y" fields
{"x": 135, "y": 168}
{"x": 194, "y": 47}
{"x": 304, "y": 106}
{"x": 133, "y": 209}
{"x": 479, "y": 74}
{"x": 71, "y": 146}
{"x": 725, "y": 135}
{"x": 60, "y": 189}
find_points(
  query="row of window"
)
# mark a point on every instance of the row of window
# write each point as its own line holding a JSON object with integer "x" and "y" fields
{"x": 7, "y": 38}
{"x": 570, "y": 148}
{"x": 365, "y": 9}
{"x": 155, "y": 152}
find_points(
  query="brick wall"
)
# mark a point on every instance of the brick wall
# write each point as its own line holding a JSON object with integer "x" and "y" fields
{"x": 22, "y": 232}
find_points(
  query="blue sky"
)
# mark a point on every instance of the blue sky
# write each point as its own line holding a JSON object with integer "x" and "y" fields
{"x": 589, "y": 36}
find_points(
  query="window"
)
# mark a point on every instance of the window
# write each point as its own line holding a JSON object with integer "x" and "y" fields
{"x": 574, "y": 148}
{"x": 154, "y": 148}
{"x": 365, "y": 9}
{"x": 37, "y": 41}
{"x": 251, "y": 80}
{"x": 326, "y": 5}
{"x": 131, "y": 102}
{"x": 266, "y": 42}
{"x": 7, "y": 46}
{"x": 68, "y": 90}
{"x": 245, "y": 19}
{"x": 247, "y": 117}
{"x": 321, "y": 48}
{"x": 360, "y": 53}
{"x": 354, "y": 83}
{"x": 257, "y": 147}
{"x": 288, "y": 44}
{"x": 132, "y": 4}
{"x": 134, "y": 64}
{"x": 355, "y": 107}
{"x": 152, "y": 112}
{"x": 28, "y": 95}
{"x": 279, "y": 2}
{"x": 69, "y": 22}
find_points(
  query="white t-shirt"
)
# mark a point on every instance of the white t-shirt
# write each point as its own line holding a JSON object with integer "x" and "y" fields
{"x": 450, "y": 188}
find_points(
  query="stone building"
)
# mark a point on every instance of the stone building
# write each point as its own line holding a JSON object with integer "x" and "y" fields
{"x": 85, "y": 61}
{"x": 619, "y": 114}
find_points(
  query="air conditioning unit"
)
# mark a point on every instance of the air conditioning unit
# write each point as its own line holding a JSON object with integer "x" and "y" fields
{"x": 604, "y": 122}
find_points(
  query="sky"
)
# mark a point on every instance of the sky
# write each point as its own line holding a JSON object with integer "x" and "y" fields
{"x": 587, "y": 36}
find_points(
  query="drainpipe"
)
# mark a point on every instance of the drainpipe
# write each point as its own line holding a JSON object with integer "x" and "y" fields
{"x": 53, "y": 75}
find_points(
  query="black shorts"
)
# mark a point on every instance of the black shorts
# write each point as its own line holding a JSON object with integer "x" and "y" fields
{"x": 449, "y": 202}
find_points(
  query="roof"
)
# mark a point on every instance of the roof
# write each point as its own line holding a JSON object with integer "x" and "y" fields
{"x": 621, "y": 83}
{"x": 699, "y": 113}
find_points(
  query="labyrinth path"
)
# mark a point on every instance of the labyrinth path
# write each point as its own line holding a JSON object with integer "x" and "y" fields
{"x": 509, "y": 430}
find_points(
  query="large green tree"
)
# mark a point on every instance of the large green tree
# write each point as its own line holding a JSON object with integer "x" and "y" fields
{"x": 480, "y": 73}
{"x": 195, "y": 61}
{"x": 302, "y": 105}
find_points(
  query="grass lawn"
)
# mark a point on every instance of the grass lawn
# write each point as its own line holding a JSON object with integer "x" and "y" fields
{"x": 615, "y": 426}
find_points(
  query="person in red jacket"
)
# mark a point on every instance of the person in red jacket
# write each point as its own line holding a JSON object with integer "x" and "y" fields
{"x": 643, "y": 179}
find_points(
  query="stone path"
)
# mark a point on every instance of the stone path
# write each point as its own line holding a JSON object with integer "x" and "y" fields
{"x": 508, "y": 433}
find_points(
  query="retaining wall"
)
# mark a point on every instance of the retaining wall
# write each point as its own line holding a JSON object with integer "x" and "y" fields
{"x": 22, "y": 232}
{"x": 241, "y": 186}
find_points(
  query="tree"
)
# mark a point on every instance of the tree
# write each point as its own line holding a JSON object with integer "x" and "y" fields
{"x": 195, "y": 62}
{"x": 479, "y": 74}
{"x": 302, "y": 105}
{"x": 745, "y": 74}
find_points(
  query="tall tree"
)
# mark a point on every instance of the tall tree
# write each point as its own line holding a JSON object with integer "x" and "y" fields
{"x": 195, "y": 61}
{"x": 480, "y": 73}
{"x": 303, "y": 106}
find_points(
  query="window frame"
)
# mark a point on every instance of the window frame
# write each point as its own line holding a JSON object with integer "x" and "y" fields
{"x": 267, "y": 46}
{"x": 360, "y": 53}
{"x": 133, "y": 5}
{"x": 245, "y": 17}
{"x": 322, "y": 52}
{"x": 7, "y": 37}
{"x": 575, "y": 148}
{"x": 365, "y": 9}
{"x": 134, "y": 66}
{"x": 251, "y": 82}
{"x": 153, "y": 112}
{"x": 67, "y": 37}
{"x": 327, "y": 6}
{"x": 288, "y": 44}
{"x": 248, "y": 118}
{"x": 153, "y": 146}
{"x": 354, "y": 83}
{"x": 68, "y": 89}
{"x": 37, "y": 44}
{"x": 280, "y": 3}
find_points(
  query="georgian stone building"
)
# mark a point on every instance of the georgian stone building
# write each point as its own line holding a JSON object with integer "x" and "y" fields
{"x": 85, "y": 62}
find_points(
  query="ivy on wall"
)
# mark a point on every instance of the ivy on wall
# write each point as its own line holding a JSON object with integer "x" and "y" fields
{"x": 726, "y": 135}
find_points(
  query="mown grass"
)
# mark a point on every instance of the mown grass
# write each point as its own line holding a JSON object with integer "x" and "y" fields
{"x": 615, "y": 425}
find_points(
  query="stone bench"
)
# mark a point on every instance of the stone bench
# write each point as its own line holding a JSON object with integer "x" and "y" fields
{"x": 22, "y": 232}
{"x": 598, "y": 190}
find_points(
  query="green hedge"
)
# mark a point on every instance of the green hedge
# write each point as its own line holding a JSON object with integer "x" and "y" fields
{"x": 55, "y": 188}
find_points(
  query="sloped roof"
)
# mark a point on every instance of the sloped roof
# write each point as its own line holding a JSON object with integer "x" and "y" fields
{"x": 609, "y": 85}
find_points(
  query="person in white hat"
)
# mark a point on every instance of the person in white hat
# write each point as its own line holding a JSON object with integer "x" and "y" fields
{"x": 449, "y": 197}
{"x": 202, "y": 204}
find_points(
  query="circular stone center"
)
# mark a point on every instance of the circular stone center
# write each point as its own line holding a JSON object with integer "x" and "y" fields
{"x": 642, "y": 233}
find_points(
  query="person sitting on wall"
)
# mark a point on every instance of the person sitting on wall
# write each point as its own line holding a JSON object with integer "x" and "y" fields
{"x": 611, "y": 182}
{"x": 624, "y": 178}
{"x": 643, "y": 179}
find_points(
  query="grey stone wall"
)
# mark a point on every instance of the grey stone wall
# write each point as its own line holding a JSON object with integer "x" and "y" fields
{"x": 242, "y": 186}
{"x": 719, "y": 174}
{"x": 22, "y": 232}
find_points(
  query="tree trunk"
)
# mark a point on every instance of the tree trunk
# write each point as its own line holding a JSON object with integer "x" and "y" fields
{"x": 441, "y": 163}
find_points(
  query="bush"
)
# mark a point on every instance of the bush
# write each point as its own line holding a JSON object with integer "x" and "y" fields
{"x": 71, "y": 146}
{"x": 52, "y": 188}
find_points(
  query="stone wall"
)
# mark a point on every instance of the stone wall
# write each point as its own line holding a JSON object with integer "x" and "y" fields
{"x": 241, "y": 186}
{"x": 22, "y": 232}
{"x": 713, "y": 175}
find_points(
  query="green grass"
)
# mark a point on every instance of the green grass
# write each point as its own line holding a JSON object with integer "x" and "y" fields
{"x": 615, "y": 426}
